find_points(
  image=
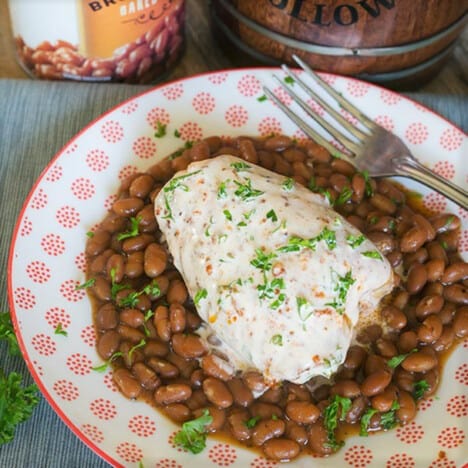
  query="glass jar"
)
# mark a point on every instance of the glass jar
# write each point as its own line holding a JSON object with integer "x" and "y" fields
{"x": 131, "y": 41}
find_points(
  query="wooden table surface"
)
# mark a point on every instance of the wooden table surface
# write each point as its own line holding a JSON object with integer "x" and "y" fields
{"x": 203, "y": 54}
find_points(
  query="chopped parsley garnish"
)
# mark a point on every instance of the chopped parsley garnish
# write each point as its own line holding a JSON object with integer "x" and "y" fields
{"x": 240, "y": 166}
{"x": 262, "y": 98}
{"x": 201, "y": 294}
{"x": 342, "y": 285}
{"x": 192, "y": 436}
{"x": 372, "y": 254}
{"x": 116, "y": 287}
{"x": 176, "y": 182}
{"x": 160, "y": 129}
{"x": 252, "y": 422}
{"x": 59, "y": 330}
{"x": 295, "y": 243}
{"x": 277, "y": 340}
{"x": 131, "y": 300}
{"x": 374, "y": 220}
{"x": 289, "y": 80}
{"x": 227, "y": 215}
{"x": 263, "y": 261}
{"x": 449, "y": 221}
{"x": 334, "y": 412}
{"x": 326, "y": 193}
{"x": 355, "y": 241}
{"x": 344, "y": 196}
{"x": 301, "y": 302}
{"x": 245, "y": 191}
{"x": 106, "y": 364}
{"x": 90, "y": 234}
{"x": 271, "y": 290}
{"x": 388, "y": 419}
{"x": 134, "y": 348}
{"x": 420, "y": 388}
{"x": 368, "y": 187}
{"x": 365, "y": 421}
{"x": 272, "y": 215}
{"x": 133, "y": 231}
{"x": 288, "y": 184}
{"x": 395, "y": 361}
{"x": 176, "y": 133}
{"x": 222, "y": 192}
{"x": 86, "y": 284}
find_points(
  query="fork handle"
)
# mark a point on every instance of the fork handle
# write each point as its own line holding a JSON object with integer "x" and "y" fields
{"x": 409, "y": 167}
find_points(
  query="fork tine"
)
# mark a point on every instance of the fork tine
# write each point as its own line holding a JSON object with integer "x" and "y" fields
{"x": 360, "y": 135}
{"x": 344, "y": 103}
{"x": 306, "y": 128}
{"x": 343, "y": 139}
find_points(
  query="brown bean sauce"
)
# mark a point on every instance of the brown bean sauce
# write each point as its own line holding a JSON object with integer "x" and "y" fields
{"x": 136, "y": 316}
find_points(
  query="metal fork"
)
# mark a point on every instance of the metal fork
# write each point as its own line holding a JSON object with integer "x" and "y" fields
{"x": 371, "y": 147}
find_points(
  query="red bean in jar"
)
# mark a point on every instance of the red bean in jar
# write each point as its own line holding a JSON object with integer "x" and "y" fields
{"x": 130, "y": 41}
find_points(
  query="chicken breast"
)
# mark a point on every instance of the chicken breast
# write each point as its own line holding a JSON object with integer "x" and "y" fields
{"x": 277, "y": 275}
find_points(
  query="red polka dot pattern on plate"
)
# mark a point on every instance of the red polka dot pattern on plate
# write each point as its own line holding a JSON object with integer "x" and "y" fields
{"x": 400, "y": 460}
{"x": 112, "y": 131}
{"x": 93, "y": 433}
{"x": 357, "y": 88}
{"x": 24, "y": 298}
{"x": 435, "y": 202}
{"x": 222, "y": 454}
{"x": 127, "y": 171}
{"x": 261, "y": 462}
{"x": 316, "y": 107}
{"x": 411, "y": 433}
{"x": 358, "y": 456}
{"x": 66, "y": 390}
{"x": 130, "y": 108}
{"x": 55, "y": 316}
{"x": 451, "y": 437}
{"x": 269, "y": 126}
{"x": 109, "y": 201}
{"x": 203, "y": 103}
{"x": 39, "y": 200}
{"x": 236, "y": 116}
{"x": 443, "y": 462}
{"x": 43, "y": 344}
{"x": 53, "y": 245}
{"x": 109, "y": 382}
{"x": 167, "y": 463}
{"x": 445, "y": 169}
{"x": 170, "y": 441}
{"x": 70, "y": 293}
{"x": 417, "y": 133}
{"x": 144, "y": 147}
{"x": 249, "y": 85}
{"x": 158, "y": 116}
{"x": 349, "y": 117}
{"x": 26, "y": 227}
{"x": 458, "y": 406}
{"x": 142, "y": 426}
{"x": 218, "y": 78}
{"x": 68, "y": 217}
{"x": 83, "y": 188}
{"x": 425, "y": 404}
{"x": 282, "y": 95}
{"x": 191, "y": 131}
{"x": 79, "y": 364}
{"x": 88, "y": 335}
{"x": 461, "y": 374}
{"x": 389, "y": 98}
{"x": 38, "y": 271}
{"x": 55, "y": 173}
{"x": 451, "y": 139}
{"x": 103, "y": 409}
{"x": 386, "y": 122}
{"x": 129, "y": 452}
{"x": 173, "y": 92}
{"x": 80, "y": 262}
{"x": 463, "y": 242}
{"x": 97, "y": 160}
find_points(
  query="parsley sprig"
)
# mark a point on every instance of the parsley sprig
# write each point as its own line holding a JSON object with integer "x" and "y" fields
{"x": 192, "y": 436}
{"x": 336, "y": 411}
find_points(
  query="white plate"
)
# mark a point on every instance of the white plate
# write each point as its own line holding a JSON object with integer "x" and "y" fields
{"x": 72, "y": 195}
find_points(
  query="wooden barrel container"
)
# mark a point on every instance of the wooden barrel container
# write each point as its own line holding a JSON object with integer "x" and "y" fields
{"x": 387, "y": 41}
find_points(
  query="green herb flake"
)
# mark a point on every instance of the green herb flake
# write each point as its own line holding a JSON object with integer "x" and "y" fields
{"x": 289, "y": 80}
{"x": 341, "y": 286}
{"x": 222, "y": 192}
{"x": 372, "y": 254}
{"x": 87, "y": 284}
{"x": 373, "y": 220}
{"x": 368, "y": 186}
{"x": 420, "y": 388}
{"x": 176, "y": 182}
{"x": 59, "y": 330}
{"x": 246, "y": 192}
{"x": 240, "y": 166}
{"x": 133, "y": 231}
{"x": 176, "y": 133}
{"x": 355, "y": 241}
{"x": 201, "y": 294}
{"x": 334, "y": 412}
{"x": 272, "y": 216}
{"x": 277, "y": 340}
{"x": 192, "y": 436}
{"x": 90, "y": 234}
{"x": 227, "y": 215}
{"x": 262, "y": 98}
{"x": 134, "y": 348}
{"x": 252, "y": 422}
{"x": 288, "y": 184}
{"x": 365, "y": 421}
{"x": 263, "y": 261}
{"x": 160, "y": 129}
{"x": 344, "y": 196}
{"x": 395, "y": 361}
{"x": 388, "y": 419}
{"x": 449, "y": 221}
{"x": 301, "y": 303}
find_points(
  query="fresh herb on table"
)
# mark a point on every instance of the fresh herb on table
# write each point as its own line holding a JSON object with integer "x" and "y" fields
{"x": 192, "y": 436}
{"x": 16, "y": 402}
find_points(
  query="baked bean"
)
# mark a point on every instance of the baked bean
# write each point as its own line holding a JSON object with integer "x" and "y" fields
{"x": 155, "y": 260}
{"x": 383, "y": 402}
{"x": 127, "y": 206}
{"x": 146, "y": 376}
{"x": 417, "y": 278}
{"x": 383, "y": 203}
{"x": 318, "y": 439}
{"x": 460, "y": 322}
{"x": 375, "y": 383}
{"x": 387, "y": 188}
{"x": 187, "y": 345}
{"x": 134, "y": 266}
{"x": 455, "y": 272}
{"x": 177, "y": 412}
{"x": 265, "y": 410}
{"x": 248, "y": 151}
{"x": 370, "y": 334}
{"x": 192, "y": 319}
{"x": 277, "y": 143}
{"x": 436, "y": 251}
{"x": 197, "y": 400}
{"x": 419, "y": 361}
{"x": 97, "y": 243}
{"x": 394, "y": 317}
{"x": 163, "y": 368}
{"x": 137, "y": 243}
{"x": 172, "y": 393}
{"x": 445, "y": 339}
{"x": 115, "y": 268}
{"x": 108, "y": 343}
{"x": 272, "y": 395}
{"x": 296, "y": 432}
{"x": 127, "y": 384}
{"x": 132, "y": 317}
{"x": 407, "y": 410}
{"x": 107, "y": 317}
{"x": 147, "y": 219}
{"x": 254, "y": 381}
{"x": 386, "y": 348}
{"x": 355, "y": 357}
{"x": 429, "y": 305}
{"x": 214, "y": 366}
{"x": 200, "y": 151}
{"x": 267, "y": 429}
{"x": 218, "y": 418}
{"x": 358, "y": 406}
{"x": 185, "y": 366}
{"x": 297, "y": 392}
{"x": 449, "y": 240}
{"x": 97, "y": 265}
{"x": 445, "y": 222}
{"x": 457, "y": 293}
{"x": 131, "y": 353}
{"x": 385, "y": 243}
{"x": 430, "y": 330}
{"x": 177, "y": 317}
{"x": 217, "y": 392}
{"x": 404, "y": 379}
{"x": 339, "y": 182}
{"x": 435, "y": 269}
{"x": 141, "y": 186}
{"x": 240, "y": 392}
{"x": 407, "y": 341}
{"x": 302, "y": 412}
{"x": 155, "y": 347}
{"x": 433, "y": 289}
{"x": 420, "y": 256}
{"x": 412, "y": 240}
{"x": 177, "y": 292}
{"x": 237, "y": 422}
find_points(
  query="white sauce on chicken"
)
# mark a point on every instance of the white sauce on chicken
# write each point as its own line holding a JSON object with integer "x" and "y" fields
{"x": 277, "y": 275}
